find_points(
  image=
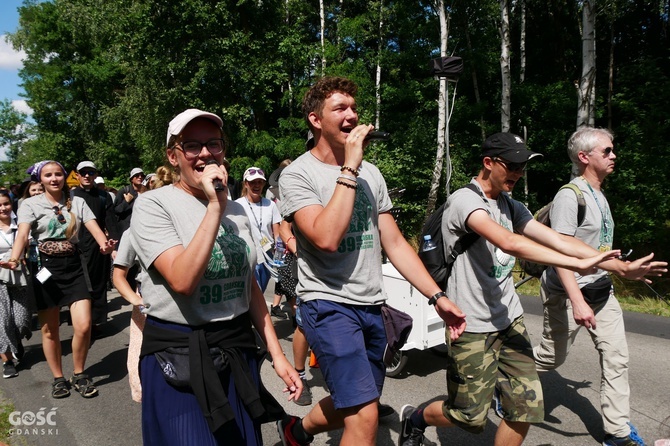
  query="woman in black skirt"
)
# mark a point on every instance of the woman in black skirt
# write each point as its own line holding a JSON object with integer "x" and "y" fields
{"x": 53, "y": 219}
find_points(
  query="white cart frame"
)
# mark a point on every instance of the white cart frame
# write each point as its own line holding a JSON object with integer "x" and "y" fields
{"x": 428, "y": 329}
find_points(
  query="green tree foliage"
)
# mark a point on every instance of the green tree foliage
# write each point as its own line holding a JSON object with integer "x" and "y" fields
{"x": 105, "y": 76}
{"x": 15, "y": 132}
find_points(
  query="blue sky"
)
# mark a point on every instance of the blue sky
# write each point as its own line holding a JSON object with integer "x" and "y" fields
{"x": 10, "y": 61}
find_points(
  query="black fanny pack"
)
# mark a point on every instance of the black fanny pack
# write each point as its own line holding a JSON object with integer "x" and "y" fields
{"x": 175, "y": 366}
{"x": 597, "y": 292}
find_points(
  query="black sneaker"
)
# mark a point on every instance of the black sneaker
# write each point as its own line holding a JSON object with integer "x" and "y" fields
{"x": 306, "y": 395}
{"x": 284, "y": 427}
{"x": 9, "y": 370}
{"x": 276, "y": 312}
{"x": 409, "y": 435}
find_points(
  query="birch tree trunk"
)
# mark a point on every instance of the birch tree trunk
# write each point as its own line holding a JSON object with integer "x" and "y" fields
{"x": 522, "y": 42}
{"x": 610, "y": 84}
{"x": 290, "y": 80}
{"x": 443, "y": 109}
{"x": 378, "y": 77}
{"x": 322, "y": 15}
{"x": 505, "y": 46}
{"x": 586, "y": 90}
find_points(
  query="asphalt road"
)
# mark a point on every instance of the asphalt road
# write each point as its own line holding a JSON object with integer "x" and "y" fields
{"x": 571, "y": 393}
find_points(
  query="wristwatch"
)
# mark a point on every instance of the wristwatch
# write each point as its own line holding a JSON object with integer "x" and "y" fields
{"x": 433, "y": 300}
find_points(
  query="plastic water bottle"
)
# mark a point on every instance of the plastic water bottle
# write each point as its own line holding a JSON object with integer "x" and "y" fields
{"x": 280, "y": 251}
{"x": 428, "y": 243}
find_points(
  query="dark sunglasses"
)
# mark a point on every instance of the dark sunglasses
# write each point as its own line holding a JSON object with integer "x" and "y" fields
{"x": 511, "y": 167}
{"x": 59, "y": 215}
{"x": 608, "y": 150}
{"x": 88, "y": 173}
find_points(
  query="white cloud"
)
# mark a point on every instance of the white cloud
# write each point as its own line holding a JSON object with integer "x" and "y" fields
{"x": 22, "y": 106}
{"x": 10, "y": 59}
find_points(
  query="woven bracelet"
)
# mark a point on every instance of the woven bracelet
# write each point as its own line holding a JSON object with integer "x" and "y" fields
{"x": 347, "y": 177}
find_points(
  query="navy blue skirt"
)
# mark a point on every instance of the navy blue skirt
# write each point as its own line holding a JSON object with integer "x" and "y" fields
{"x": 172, "y": 416}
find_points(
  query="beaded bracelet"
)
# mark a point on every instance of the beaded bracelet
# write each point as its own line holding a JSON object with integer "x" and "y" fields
{"x": 347, "y": 177}
{"x": 354, "y": 171}
{"x": 350, "y": 186}
{"x": 289, "y": 239}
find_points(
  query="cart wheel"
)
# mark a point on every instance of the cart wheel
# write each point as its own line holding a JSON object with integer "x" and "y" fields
{"x": 399, "y": 361}
{"x": 440, "y": 350}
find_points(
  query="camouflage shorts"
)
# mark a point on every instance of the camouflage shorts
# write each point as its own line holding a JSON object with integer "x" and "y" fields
{"x": 478, "y": 363}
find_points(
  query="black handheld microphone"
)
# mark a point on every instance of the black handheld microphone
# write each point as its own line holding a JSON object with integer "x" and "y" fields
{"x": 377, "y": 135}
{"x": 218, "y": 184}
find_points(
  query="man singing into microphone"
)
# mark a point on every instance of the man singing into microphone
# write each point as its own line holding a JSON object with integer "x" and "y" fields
{"x": 340, "y": 209}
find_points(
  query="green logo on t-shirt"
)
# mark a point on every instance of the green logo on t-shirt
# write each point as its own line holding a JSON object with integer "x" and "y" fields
{"x": 229, "y": 256}
{"x": 361, "y": 222}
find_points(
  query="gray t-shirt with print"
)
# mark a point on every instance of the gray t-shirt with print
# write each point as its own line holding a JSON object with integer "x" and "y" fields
{"x": 596, "y": 230}
{"x": 168, "y": 217}
{"x": 262, "y": 216}
{"x": 44, "y": 225}
{"x": 352, "y": 274}
{"x": 481, "y": 281}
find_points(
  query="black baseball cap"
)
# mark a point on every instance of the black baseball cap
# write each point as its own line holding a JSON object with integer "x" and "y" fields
{"x": 509, "y": 147}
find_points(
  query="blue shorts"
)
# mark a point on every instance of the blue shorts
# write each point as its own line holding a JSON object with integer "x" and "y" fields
{"x": 298, "y": 316}
{"x": 349, "y": 342}
{"x": 262, "y": 276}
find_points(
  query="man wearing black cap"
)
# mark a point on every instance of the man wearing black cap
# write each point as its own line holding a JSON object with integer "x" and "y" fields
{"x": 494, "y": 354}
{"x": 98, "y": 265}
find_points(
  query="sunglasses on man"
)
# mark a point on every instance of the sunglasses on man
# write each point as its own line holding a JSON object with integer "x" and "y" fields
{"x": 511, "y": 167}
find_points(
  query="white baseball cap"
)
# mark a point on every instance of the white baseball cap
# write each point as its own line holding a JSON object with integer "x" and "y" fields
{"x": 135, "y": 171}
{"x": 253, "y": 173}
{"x": 182, "y": 119}
{"x": 85, "y": 164}
{"x": 99, "y": 180}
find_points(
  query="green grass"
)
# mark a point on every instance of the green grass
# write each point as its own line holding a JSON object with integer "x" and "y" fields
{"x": 632, "y": 295}
{"x": 6, "y": 407}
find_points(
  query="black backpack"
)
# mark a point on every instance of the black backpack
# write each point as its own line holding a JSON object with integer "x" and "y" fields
{"x": 536, "y": 269}
{"x": 434, "y": 260}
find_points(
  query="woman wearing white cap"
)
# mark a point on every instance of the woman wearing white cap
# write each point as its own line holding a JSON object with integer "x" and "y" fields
{"x": 264, "y": 218}
{"x": 201, "y": 301}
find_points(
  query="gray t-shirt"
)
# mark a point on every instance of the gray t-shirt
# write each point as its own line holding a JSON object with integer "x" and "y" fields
{"x": 262, "y": 216}
{"x": 481, "y": 281}
{"x": 126, "y": 256}
{"x": 168, "y": 217}
{"x": 597, "y": 229}
{"x": 43, "y": 220}
{"x": 352, "y": 274}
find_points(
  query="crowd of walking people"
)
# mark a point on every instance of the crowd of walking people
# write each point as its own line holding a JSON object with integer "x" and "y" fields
{"x": 194, "y": 256}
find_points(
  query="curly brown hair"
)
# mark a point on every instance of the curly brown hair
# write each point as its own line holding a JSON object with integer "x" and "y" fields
{"x": 324, "y": 88}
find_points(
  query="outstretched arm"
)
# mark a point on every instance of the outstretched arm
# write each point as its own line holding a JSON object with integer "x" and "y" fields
{"x": 637, "y": 270}
{"x": 520, "y": 246}
{"x": 408, "y": 264}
